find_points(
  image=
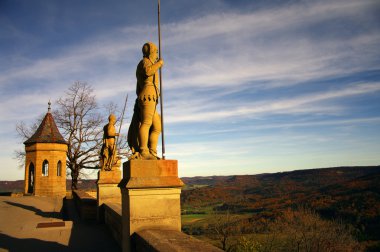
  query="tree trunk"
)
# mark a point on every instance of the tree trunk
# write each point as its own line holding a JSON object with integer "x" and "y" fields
{"x": 74, "y": 178}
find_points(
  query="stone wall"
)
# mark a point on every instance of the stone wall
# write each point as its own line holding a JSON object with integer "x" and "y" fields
{"x": 85, "y": 204}
{"x": 112, "y": 219}
{"x": 158, "y": 240}
{"x": 153, "y": 240}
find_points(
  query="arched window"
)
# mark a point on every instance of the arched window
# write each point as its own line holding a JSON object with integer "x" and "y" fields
{"x": 45, "y": 168}
{"x": 59, "y": 168}
{"x": 31, "y": 178}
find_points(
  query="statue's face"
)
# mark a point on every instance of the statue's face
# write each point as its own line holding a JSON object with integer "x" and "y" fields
{"x": 150, "y": 50}
{"x": 112, "y": 118}
{"x": 154, "y": 55}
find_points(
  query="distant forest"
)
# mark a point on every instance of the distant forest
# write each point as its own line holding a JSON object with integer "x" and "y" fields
{"x": 249, "y": 212}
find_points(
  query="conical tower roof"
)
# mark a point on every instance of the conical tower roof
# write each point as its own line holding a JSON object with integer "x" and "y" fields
{"x": 47, "y": 132}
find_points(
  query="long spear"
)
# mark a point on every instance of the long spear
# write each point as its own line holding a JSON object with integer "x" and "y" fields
{"x": 109, "y": 166}
{"x": 161, "y": 91}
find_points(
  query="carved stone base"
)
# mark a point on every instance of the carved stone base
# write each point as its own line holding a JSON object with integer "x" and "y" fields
{"x": 107, "y": 189}
{"x": 150, "y": 197}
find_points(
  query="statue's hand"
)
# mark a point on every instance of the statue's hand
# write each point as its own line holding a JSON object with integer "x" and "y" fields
{"x": 161, "y": 61}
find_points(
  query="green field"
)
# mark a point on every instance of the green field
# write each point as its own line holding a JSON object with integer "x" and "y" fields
{"x": 194, "y": 219}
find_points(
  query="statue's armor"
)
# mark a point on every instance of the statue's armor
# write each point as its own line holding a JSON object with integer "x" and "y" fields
{"x": 147, "y": 81}
{"x": 106, "y": 134}
{"x": 147, "y": 94}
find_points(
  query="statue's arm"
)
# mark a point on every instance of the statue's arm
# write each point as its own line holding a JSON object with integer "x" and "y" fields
{"x": 150, "y": 69}
{"x": 112, "y": 131}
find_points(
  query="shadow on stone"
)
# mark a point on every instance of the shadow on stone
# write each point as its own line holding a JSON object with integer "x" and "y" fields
{"x": 36, "y": 210}
{"x": 5, "y": 193}
{"x": 29, "y": 244}
{"x": 87, "y": 235}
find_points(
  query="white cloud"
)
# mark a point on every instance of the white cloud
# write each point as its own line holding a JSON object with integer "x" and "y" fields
{"x": 201, "y": 111}
{"x": 274, "y": 45}
{"x": 220, "y": 49}
{"x": 269, "y": 21}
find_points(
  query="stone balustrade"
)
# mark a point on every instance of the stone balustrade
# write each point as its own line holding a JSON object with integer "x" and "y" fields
{"x": 146, "y": 240}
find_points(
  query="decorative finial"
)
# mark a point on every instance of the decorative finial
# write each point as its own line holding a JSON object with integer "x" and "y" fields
{"x": 49, "y": 103}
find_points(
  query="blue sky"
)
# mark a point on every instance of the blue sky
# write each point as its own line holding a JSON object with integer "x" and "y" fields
{"x": 250, "y": 86}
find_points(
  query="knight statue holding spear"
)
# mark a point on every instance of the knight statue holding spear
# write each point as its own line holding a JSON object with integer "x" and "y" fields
{"x": 145, "y": 127}
{"x": 147, "y": 124}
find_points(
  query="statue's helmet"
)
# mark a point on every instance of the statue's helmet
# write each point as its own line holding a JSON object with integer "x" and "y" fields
{"x": 148, "y": 48}
{"x": 112, "y": 118}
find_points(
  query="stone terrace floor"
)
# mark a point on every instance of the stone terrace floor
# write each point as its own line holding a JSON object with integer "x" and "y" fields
{"x": 20, "y": 216}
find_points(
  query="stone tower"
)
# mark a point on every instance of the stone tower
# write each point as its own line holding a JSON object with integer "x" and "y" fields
{"x": 45, "y": 160}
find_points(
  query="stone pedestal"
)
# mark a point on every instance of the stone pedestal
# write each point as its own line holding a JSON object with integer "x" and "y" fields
{"x": 108, "y": 190}
{"x": 150, "y": 197}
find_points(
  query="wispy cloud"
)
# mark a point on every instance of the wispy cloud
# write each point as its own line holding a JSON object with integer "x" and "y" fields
{"x": 244, "y": 48}
{"x": 258, "y": 125}
{"x": 277, "y": 151}
{"x": 274, "y": 45}
{"x": 202, "y": 112}
{"x": 269, "y": 21}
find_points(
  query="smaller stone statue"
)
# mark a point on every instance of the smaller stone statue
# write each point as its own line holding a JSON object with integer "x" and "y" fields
{"x": 108, "y": 152}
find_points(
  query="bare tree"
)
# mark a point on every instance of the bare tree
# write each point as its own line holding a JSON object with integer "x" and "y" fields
{"x": 301, "y": 230}
{"x": 295, "y": 230}
{"x": 224, "y": 226}
{"x": 80, "y": 122}
{"x": 24, "y": 132}
{"x": 305, "y": 230}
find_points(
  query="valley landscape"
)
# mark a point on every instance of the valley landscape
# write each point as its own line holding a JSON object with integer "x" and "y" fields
{"x": 273, "y": 212}
{"x": 224, "y": 209}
